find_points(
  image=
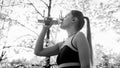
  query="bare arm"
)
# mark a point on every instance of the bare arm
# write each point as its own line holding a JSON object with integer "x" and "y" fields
{"x": 83, "y": 48}
{"x": 40, "y": 51}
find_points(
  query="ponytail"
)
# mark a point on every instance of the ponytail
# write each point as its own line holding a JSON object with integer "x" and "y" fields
{"x": 89, "y": 37}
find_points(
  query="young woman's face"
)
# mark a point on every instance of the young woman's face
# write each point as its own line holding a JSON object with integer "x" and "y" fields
{"x": 67, "y": 21}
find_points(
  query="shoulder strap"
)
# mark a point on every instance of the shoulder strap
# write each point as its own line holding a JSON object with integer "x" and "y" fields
{"x": 72, "y": 43}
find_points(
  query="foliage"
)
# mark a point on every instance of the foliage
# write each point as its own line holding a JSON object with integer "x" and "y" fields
{"x": 21, "y": 18}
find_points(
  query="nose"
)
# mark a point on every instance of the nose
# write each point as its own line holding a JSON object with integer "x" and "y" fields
{"x": 62, "y": 19}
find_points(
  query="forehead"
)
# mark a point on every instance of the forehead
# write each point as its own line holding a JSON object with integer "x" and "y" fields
{"x": 69, "y": 14}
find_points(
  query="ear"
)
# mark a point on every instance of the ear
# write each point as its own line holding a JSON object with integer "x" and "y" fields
{"x": 75, "y": 19}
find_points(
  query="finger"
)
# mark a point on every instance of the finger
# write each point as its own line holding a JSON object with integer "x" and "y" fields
{"x": 48, "y": 21}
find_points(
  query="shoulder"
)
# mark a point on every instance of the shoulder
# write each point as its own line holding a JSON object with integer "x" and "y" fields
{"x": 81, "y": 42}
{"x": 79, "y": 39}
{"x": 60, "y": 44}
{"x": 79, "y": 35}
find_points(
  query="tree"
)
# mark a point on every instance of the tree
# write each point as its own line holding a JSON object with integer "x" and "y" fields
{"x": 103, "y": 15}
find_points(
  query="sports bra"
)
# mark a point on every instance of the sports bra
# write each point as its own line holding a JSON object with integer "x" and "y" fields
{"x": 68, "y": 56}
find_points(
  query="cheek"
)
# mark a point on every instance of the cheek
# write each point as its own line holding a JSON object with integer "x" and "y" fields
{"x": 67, "y": 21}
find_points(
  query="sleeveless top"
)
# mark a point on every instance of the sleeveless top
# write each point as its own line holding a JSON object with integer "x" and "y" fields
{"x": 68, "y": 56}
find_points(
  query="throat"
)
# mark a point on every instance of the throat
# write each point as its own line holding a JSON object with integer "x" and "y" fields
{"x": 72, "y": 34}
{"x": 71, "y": 31}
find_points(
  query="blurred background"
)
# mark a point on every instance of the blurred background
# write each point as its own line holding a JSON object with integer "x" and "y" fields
{"x": 19, "y": 30}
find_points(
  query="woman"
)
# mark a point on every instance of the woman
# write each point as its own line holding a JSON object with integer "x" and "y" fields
{"x": 75, "y": 51}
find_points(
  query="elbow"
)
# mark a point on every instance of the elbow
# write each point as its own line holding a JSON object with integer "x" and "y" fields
{"x": 37, "y": 53}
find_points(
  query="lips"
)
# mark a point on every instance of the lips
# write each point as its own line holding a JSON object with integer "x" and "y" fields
{"x": 60, "y": 21}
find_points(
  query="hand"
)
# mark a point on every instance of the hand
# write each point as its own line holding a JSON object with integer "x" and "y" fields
{"x": 48, "y": 22}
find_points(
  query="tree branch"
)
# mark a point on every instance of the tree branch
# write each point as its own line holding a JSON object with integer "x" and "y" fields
{"x": 55, "y": 3}
{"x": 45, "y": 3}
{"x": 27, "y": 28}
{"x": 22, "y": 25}
{"x": 9, "y": 5}
{"x": 2, "y": 4}
{"x": 36, "y": 9}
{"x": 49, "y": 8}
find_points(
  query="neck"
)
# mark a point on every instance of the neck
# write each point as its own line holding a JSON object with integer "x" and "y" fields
{"x": 71, "y": 31}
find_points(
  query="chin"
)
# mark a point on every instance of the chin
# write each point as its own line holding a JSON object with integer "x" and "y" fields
{"x": 62, "y": 27}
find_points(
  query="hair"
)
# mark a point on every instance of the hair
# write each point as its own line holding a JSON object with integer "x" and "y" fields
{"x": 80, "y": 25}
{"x": 80, "y": 17}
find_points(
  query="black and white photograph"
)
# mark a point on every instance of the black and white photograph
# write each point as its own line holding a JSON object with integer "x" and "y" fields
{"x": 59, "y": 33}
